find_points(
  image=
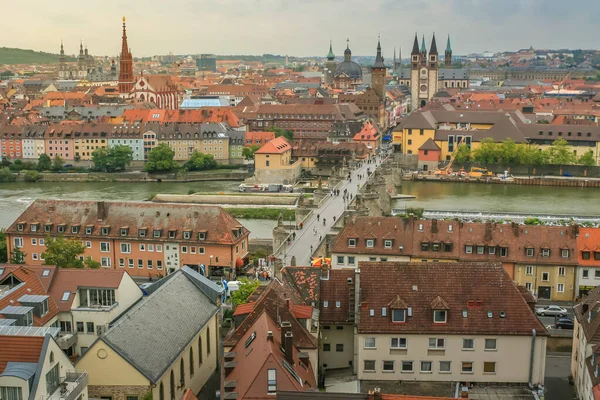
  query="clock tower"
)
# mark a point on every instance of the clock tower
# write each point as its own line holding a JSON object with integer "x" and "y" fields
{"x": 433, "y": 72}
{"x": 378, "y": 73}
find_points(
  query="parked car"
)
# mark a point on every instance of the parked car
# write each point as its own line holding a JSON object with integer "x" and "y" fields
{"x": 564, "y": 323}
{"x": 551, "y": 310}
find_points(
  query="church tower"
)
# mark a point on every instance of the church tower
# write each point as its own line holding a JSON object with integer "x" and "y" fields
{"x": 378, "y": 73}
{"x": 448, "y": 54}
{"x": 62, "y": 62}
{"x": 418, "y": 74}
{"x": 330, "y": 66}
{"x": 423, "y": 53}
{"x": 126, "y": 66}
{"x": 433, "y": 72}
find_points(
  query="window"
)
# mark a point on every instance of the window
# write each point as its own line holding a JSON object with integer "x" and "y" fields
{"x": 201, "y": 235}
{"x": 439, "y": 316}
{"x": 89, "y": 230}
{"x": 503, "y": 251}
{"x": 18, "y": 242}
{"x": 351, "y": 242}
{"x": 445, "y": 366}
{"x": 61, "y": 228}
{"x": 207, "y": 341}
{"x": 125, "y": 248}
{"x": 561, "y": 271}
{"x": 586, "y": 273}
{"x": 90, "y": 327}
{"x": 272, "y": 381}
{"x": 79, "y": 326}
{"x": 585, "y": 255}
{"x": 187, "y": 235}
{"x": 142, "y": 247}
{"x": 565, "y": 253}
{"x": 172, "y": 234}
{"x": 480, "y": 249}
{"x": 65, "y": 296}
{"x": 529, "y": 252}
{"x": 96, "y": 298}
{"x": 105, "y": 262}
{"x": 325, "y": 304}
{"x": 437, "y": 343}
{"x": 398, "y": 315}
{"x": 469, "y": 249}
{"x": 156, "y": 233}
{"x": 489, "y": 367}
{"x": 424, "y": 246}
{"x": 339, "y": 347}
{"x": 467, "y": 367}
{"x": 88, "y": 244}
{"x": 468, "y": 344}
{"x": 490, "y": 344}
{"x": 370, "y": 243}
{"x": 104, "y": 231}
{"x": 426, "y": 366}
{"x": 545, "y": 276}
{"x": 388, "y": 366}
{"x": 545, "y": 252}
{"x": 528, "y": 286}
{"x": 140, "y": 263}
{"x": 121, "y": 263}
{"x": 597, "y": 255}
{"x": 142, "y": 232}
{"x": 529, "y": 270}
{"x": 75, "y": 229}
{"x": 491, "y": 250}
{"x": 387, "y": 244}
{"x": 399, "y": 343}
{"x": 52, "y": 380}
{"x": 159, "y": 248}
{"x": 560, "y": 288}
{"x": 369, "y": 343}
{"x": 369, "y": 365}
{"x": 407, "y": 366}
{"x": 326, "y": 347}
{"x": 105, "y": 247}
{"x": 351, "y": 260}
{"x": 340, "y": 259}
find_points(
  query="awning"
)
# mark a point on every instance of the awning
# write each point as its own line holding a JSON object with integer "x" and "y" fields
{"x": 239, "y": 263}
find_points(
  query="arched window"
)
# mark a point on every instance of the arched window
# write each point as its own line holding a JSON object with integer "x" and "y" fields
{"x": 51, "y": 357}
{"x": 208, "y": 341}
{"x": 181, "y": 373}
{"x": 161, "y": 391}
{"x": 172, "y": 385}
{"x": 191, "y": 362}
{"x": 200, "y": 350}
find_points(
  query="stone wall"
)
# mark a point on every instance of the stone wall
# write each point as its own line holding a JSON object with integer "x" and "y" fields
{"x": 547, "y": 170}
{"x": 117, "y": 392}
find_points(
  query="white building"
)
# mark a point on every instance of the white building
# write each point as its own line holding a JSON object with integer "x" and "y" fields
{"x": 585, "y": 357}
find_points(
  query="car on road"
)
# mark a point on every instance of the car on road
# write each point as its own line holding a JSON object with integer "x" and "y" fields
{"x": 552, "y": 310}
{"x": 564, "y": 323}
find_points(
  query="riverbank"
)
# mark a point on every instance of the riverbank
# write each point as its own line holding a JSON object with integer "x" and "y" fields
{"x": 284, "y": 200}
{"x": 516, "y": 180}
{"x": 140, "y": 176}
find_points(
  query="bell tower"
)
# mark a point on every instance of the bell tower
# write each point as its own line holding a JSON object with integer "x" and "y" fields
{"x": 415, "y": 68}
{"x": 433, "y": 72}
{"x": 330, "y": 65}
{"x": 126, "y": 66}
{"x": 448, "y": 54}
{"x": 378, "y": 72}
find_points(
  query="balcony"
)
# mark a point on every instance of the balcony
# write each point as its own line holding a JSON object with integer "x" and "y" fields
{"x": 96, "y": 307}
{"x": 66, "y": 340}
{"x": 71, "y": 387}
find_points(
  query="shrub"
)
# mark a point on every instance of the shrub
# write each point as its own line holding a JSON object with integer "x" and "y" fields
{"x": 532, "y": 221}
{"x": 32, "y": 176}
{"x": 6, "y": 175}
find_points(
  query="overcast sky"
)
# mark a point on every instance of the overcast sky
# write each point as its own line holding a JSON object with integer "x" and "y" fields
{"x": 298, "y": 27}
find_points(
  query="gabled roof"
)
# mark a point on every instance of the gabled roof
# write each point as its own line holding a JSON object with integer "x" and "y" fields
{"x": 278, "y": 145}
{"x": 430, "y": 145}
{"x": 25, "y": 349}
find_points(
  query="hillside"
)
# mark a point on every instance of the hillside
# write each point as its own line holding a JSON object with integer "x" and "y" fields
{"x": 20, "y": 56}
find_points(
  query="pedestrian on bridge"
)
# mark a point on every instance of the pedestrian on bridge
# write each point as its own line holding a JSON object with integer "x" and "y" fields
{"x": 318, "y": 217}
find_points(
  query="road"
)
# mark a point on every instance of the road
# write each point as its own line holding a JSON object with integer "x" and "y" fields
{"x": 557, "y": 385}
{"x": 330, "y": 207}
{"x": 550, "y": 320}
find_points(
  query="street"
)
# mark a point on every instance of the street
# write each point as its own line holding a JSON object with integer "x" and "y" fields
{"x": 557, "y": 385}
{"x": 330, "y": 207}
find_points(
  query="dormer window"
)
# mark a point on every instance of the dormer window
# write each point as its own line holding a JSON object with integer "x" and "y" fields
{"x": 34, "y": 227}
{"x": 370, "y": 243}
{"x": 201, "y": 235}
{"x": 61, "y": 228}
{"x": 124, "y": 231}
{"x": 187, "y": 235}
{"x": 75, "y": 229}
{"x": 172, "y": 234}
{"x": 529, "y": 251}
{"x": 156, "y": 233}
{"x": 104, "y": 230}
{"x": 565, "y": 253}
{"x": 440, "y": 316}
{"x": 424, "y": 246}
{"x": 387, "y": 244}
{"x": 21, "y": 227}
{"x": 398, "y": 315}
{"x": 89, "y": 230}
{"x": 48, "y": 228}
{"x": 351, "y": 242}
{"x": 545, "y": 252}
{"x": 142, "y": 232}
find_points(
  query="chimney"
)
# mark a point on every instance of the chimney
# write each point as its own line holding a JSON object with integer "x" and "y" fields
{"x": 288, "y": 347}
{"x": 101, "y": 210}
{"x": 286, "y": 327}
{"x": 287, "y": 304}
{"x": 270, "y": 336}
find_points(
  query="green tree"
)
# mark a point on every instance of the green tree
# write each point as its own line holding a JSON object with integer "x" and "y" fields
{"x": 587, "y": 159}
{"x": 3, "y": 248}
{"x": 200, "y": 161}
{"x": 487, "y": 153}
{"x": 289, "y": 135}
{"x": 246, "y": 288}
{"x": 160, "y": 159}
{"x": 91, "y": 264}
{"x": 507, "y": 151}
{"x": 57, "y": 164}
{"x": 32, "y": 176}
{"x": 114, "y": 159}
{"x": 531, "y": 156}
{"x": 248, "y": 152}
{"x": 6, "y": 175}
{"x": 560, "y": 153}
{"x": 63, "y": 253}
{"x": 17, "y": 256}
{"x": 44, "y": 162}
{"x": 463, "y": 154}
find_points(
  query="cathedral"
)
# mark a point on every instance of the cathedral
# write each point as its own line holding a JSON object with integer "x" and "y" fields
{"x": 85, "y": 69}
{"x": 425, "y": 76}
{"x": 345, "y": 75}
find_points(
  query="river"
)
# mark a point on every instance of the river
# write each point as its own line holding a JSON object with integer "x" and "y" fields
{"x": 15, "y": 197}
{"x": 501, "y": 198}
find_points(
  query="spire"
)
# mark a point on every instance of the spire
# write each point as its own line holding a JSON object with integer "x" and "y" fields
{"x": 415, "y": 49}
{"x": 379, "y": 58}
{"x": 347, "y": 52}
{"x": 394, "y": 56}
{"x": 330, "y": 56}
{"x": 62, "y": 48}
{"x": 423, "y": 48}
{"x": 81, "y": 48}
{"x": 124, "y": 46}
{"x": 433, "y": 48}
{"x": 448, "y": 47}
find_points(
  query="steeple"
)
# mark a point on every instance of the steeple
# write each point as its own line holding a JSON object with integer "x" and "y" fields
{"x": 448, "y": 47}
{"x": 394, "y": 56}
{"x": 433, "y": 48}
{"x": 423, "y": 58}
{"x": 62, "y": 48}
{"x": 330, "y": 56}
{"x": 448, "y": 54}
{"x": 423, "y": 48}
{"x": 126, "y": 65}
{"x": 415, "y": 49}
{"x": 347, "y": 52}
{"x": 379, "y": 58}
{"x": 81, "y": 48}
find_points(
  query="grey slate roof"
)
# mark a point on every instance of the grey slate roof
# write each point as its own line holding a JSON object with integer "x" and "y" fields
{"x": 145, "y": 335}
{"x": 23, "y": 370}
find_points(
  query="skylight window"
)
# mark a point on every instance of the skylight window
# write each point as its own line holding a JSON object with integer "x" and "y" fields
{"x": 46, "y": 272}
{"x": 65, "y": 296}
{"x": 250, "y": 339}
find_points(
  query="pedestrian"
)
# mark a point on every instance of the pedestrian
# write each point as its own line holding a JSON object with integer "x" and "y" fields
{"x": 318, "y": 217}
{"x": 294, "y": 235}
{"x": 311, "y": 249}
{"x": 301, "y": 225}
{"x": 320, "y": 238}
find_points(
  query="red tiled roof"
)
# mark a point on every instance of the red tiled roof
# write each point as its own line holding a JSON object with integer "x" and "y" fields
{"x": 20, "y": 349}
{"x": 188, "y": 395}
{"x": 243, "y": 309}
{"x": 276, "y": 146}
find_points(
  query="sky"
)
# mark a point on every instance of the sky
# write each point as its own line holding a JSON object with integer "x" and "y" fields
{"x": 299, "y": 27}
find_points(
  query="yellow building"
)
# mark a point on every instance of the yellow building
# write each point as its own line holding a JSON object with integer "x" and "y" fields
{"x": 273, "y": 163}
{"x": 581, "y": 138}
{"x": 548, "y": 281}
{"x": 142, "y": 354}
{"x": 85, "y": 147}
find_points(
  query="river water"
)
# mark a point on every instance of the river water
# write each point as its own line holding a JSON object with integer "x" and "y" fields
{"x": 15, "y": 197}
{"x": 501, "y": 198}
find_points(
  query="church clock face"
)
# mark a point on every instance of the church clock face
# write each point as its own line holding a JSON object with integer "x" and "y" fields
{"x": 423, "y": 88}
{"x": 423, "y": 72}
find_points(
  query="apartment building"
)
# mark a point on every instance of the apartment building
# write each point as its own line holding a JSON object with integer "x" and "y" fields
{"x": 454, "y": 322}
{"x": 544, "y": 259}
{"x": 585, "y": 357}
{"x": 145, "y": 239}
{"x": 588, "y": 273}
{"x": 273, "y": 163}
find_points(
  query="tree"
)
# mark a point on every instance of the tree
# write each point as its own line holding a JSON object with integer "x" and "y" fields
{"x": 561, "y": 154}
{"x": 114, "y": 159}
{"x": 532, "y": 156}
{"x": 289, "y": 135}
{"x": 246, "y": 288}
{"x": 58, "y": 163}
{"x": 160, "y": 159}
{"x": 3, "y": 248}
{"x": 248, "y": 152}
{"x": 487, "y": 153}
{"x": 91, "y": 264}
{"x": 17, "y": 256}
{"x": 64, "y": 253}
{"x": 587, "y": 159}
{"x": 6, "y": 175}
{"x": 463, "y": 154}
{"x": 32, "y": 176}
{"x": 44, "y": 162}
{"x": 200, "y": 161}
{"x": 507, "y": 151}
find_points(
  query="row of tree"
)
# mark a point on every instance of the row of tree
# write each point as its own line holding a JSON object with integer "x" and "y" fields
{"x": 509, "y": 152}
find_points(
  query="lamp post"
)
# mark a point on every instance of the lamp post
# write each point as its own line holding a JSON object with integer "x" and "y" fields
{"x": 210, "y": 269}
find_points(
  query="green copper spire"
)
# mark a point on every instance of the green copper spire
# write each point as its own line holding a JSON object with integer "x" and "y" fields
{"x": 423, "y": 48}
{"x": 330, "y": 56}
{"x": 448, "y": 47}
